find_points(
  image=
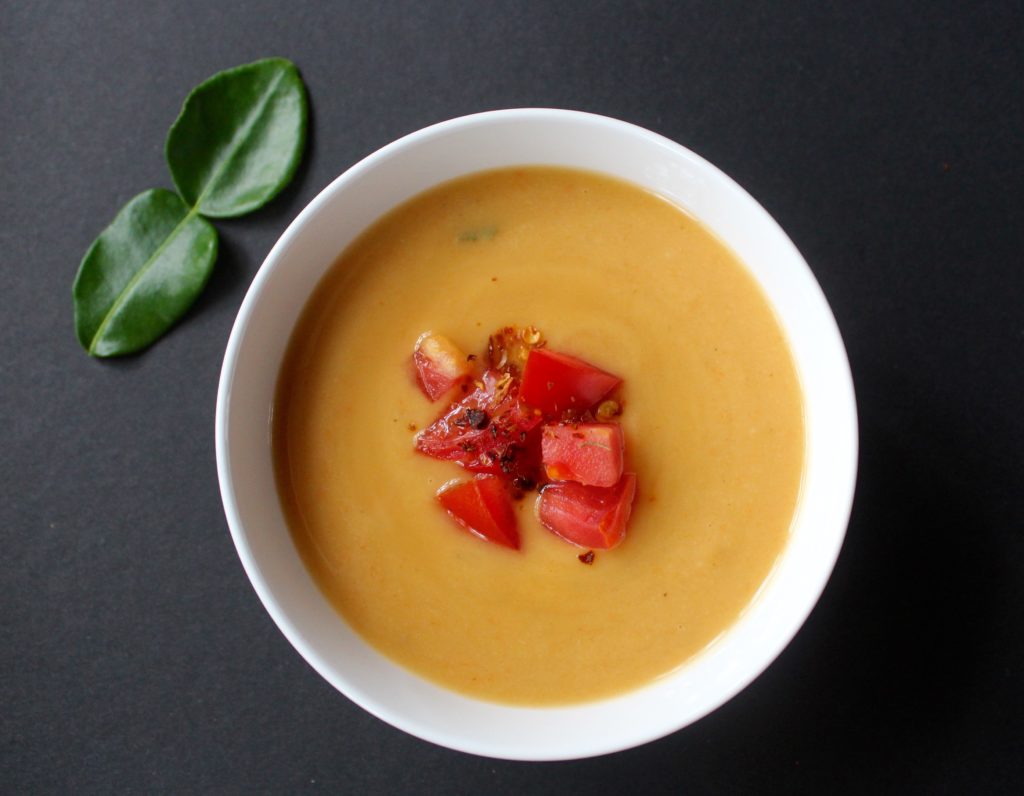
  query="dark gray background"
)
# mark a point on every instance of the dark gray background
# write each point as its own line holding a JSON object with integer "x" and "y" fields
{"x": 884, "y": 137}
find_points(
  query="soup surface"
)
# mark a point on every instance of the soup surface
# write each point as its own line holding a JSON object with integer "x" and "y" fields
{"x": 712, "y": 415}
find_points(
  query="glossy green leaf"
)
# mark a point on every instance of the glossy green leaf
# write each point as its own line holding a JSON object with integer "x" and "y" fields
{"x": 239, "y": 138}
{"x": 142, "y": 273}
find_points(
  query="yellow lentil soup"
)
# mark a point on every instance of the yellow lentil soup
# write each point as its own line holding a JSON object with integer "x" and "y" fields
{"x": 712, "y": 415}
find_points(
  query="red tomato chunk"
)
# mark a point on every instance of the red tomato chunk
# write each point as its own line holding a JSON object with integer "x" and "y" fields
{"x": 489, "y": 431}
{"x": 590, "y": 453}
{"x": 555, "y": 383}
{"x": 484, "y": 508}
{"x": 440, "y": 365}
{"x": 588, "y": 516}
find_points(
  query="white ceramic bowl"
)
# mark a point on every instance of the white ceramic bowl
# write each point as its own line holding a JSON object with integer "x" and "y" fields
{"x": 245, "y": 403}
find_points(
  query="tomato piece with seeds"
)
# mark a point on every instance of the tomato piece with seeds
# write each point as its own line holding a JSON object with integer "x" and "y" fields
{"x": 484, "y": 508}
{"x": 555, "y": 383}
{"x": 488, "y": 431}
{"x": 588, "y": 516}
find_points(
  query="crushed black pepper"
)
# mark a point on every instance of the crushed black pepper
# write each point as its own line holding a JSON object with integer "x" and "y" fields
{"x": 507, "y": 458}
{"x": 523, "y": 483}
{"x": 477, "y": 418}
{"x": 474, "y": 418}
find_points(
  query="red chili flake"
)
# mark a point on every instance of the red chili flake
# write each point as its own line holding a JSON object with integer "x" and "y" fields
{"x": 470, "y": 357}
{"x": 587, "y": 557}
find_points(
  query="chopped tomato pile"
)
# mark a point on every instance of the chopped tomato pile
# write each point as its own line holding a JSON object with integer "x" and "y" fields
{"x": 523, "y": 417}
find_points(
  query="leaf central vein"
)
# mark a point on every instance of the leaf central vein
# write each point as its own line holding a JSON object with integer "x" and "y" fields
{"x": 238, "y": 139}
{"x": 122, "y": 297}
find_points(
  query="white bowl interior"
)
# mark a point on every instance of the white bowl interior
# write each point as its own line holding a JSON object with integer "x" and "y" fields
{"x": 245, "y": 401}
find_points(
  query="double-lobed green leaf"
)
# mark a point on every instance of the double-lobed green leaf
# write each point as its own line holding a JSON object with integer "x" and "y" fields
{"x": 236, "y": 143}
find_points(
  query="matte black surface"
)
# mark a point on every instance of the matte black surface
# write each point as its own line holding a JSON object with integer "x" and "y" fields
{"x": 886, "y": 140}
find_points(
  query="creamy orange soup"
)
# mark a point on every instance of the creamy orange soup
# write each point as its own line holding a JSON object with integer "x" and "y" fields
{"x": 713, "y": 421}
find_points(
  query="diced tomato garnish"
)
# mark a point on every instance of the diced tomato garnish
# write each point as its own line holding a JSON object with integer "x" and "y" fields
{"x": 489, "y": 431}
{"x": 555, "y": 383}
{"x": 484, "y": 508}
{"x": 589, "y": 516}
{"x": 590, "y": 453}
{"x": 440, "y": 364}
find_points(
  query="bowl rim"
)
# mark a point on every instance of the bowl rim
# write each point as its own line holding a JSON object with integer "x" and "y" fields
{"x": 630, "y": 737}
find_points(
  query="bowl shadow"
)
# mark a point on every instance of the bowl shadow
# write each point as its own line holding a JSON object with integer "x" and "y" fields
{"x": 879, "y": 678}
